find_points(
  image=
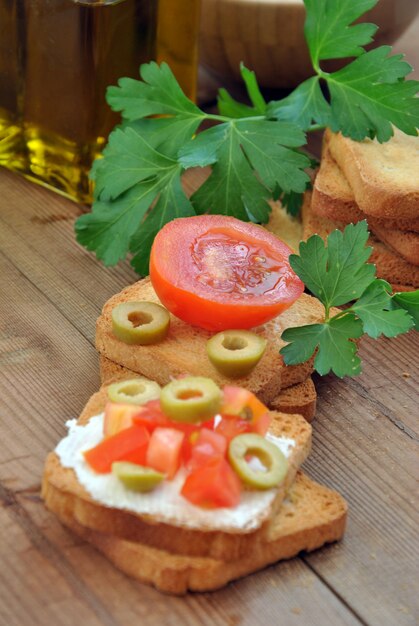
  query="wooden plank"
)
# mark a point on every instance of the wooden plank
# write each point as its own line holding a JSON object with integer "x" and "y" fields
{"x": 47, "y": 372}
{"x": 373, "y": 464}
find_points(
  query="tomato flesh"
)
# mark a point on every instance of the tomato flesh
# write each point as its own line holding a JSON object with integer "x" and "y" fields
{"x": 213, "y": 485}
{"x": 129, "y": 445}
{"x": 209, "y": 445}
{"x": 243, "y": 403}
{"x": 163, "y": 453}
{"x": 217, "y": 272}
{"x": 118, "y": 417}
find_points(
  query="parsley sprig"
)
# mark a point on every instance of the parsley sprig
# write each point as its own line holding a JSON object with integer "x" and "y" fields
{"x": 338, "y": 273}
{"x": 253, "y": 150}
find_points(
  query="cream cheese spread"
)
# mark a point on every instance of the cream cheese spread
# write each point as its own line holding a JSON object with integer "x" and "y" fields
{"x": 165, "y": 503}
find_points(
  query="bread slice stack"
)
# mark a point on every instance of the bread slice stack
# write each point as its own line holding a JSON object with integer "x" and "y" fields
{"x": 285, "y": 388}
{"x": 376, "y": 182}
{"x": 176, "y": 557}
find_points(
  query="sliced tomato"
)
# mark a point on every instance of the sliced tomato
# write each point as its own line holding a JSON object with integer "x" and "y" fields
{"x": 163, "y": 453}
{"x": 118, "y": 416}
{"x": 217, "y": 272}
{"x": 239, "y": 401}
{"x": 129, "y": 445}
{"x": 230, "y": 426}
{"x": 213, "y": 485}
{"x": 209, "y": 445}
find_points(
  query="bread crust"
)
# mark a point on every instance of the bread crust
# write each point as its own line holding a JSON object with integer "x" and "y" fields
{"x": 402, "y": 275}
{"x": 176, "y": 538}
{"x": 383, "y": 177}
{"x": 184, "y": 349}
{"x": 311, "y": 516}
{"x": 334, "y": 198}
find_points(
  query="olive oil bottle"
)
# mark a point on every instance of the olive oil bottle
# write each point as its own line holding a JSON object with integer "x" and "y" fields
{"x": 57, "y": 58}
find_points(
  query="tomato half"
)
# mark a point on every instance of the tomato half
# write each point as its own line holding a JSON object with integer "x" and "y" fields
{"x": 217, "y": 272}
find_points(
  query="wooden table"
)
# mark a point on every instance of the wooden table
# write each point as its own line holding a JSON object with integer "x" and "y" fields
{"x": 365, "y": 441}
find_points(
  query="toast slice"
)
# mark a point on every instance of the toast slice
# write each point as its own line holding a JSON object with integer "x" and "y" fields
{"x": 184, "y": 349}
{"x": 300, "y": 398}
{"x": 334, "y": 198}
{"x": 61, "y": 488}
{"x": 391, "y": 266}
{"x": 383, "y": 177}
{"x": 310, "y": 517}
{"x": 284, "y": 226}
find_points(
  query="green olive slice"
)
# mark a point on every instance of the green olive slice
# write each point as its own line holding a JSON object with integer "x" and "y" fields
{"x": 266, "y": 452}
{"x": 235, "y": 352}
{"x": 134, "y": 391}
{"x": 191, "y": 399}
{"x": 140, "y": 323}
{"x": 136, "y": 477}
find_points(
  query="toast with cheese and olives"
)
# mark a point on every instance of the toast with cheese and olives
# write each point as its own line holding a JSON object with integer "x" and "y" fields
{"x": 183, "y": 351}
{"x": 299, "y": 398}
{"x": 310, "y": 517}
{"x": 204, "y": 537}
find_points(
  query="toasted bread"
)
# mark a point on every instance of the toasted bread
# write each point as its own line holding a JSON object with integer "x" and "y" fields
{"x": 299, "y": 398}
{"x": 392, "y": 267}
{"x": 184, "y": 349}
{"x": 333, "y": 198}
{"x": 284, "y": 226}
{"x": 383, "y": 177}
{"x": 310, "y": 517}
{"x": 170, "y": 534}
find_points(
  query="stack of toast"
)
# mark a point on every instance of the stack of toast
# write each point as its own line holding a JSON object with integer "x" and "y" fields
{"x": 376, "y": 182}
{"x": 176, "y": 555}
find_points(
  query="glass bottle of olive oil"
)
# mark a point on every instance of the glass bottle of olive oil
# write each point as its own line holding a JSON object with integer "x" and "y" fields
{"x": 57, "y": 58}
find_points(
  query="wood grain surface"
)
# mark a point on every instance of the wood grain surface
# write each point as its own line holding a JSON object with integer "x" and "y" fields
{"x": 365, "y": 446}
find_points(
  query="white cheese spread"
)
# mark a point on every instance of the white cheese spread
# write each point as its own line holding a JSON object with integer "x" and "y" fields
{"x": 165, "y": 503}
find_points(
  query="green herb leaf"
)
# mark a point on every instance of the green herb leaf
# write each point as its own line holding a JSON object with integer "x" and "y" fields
{"x": 374, "y": 308}
{"x": 230, "y": 107}
{"x": 409, "y": 301}
{"x": 157, "y": 93}
{"x": 305, "y": 105}
{"x": 171, "y": 204}
{"x": 336, "y": 273}
{"x": 367, "y": 97}
{"x": 240, "y": 149}
{"x": 328, "y": 32}
{"x": 336, "y": 350}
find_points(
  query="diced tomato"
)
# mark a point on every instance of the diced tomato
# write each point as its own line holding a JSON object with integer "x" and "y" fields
{"x": 163, "y": 452}
{"x": 234, "y": 274}
{"x": 188, "y": 445}
{"x": 150, "y": 416}
{"x": 213, "y": 485}
{"x": 118, "y": 416}
{"x": 239, "y": 401}
{"x": 209, "y": 445}
{"x": 230, "y": 426}
{"x": 129, "y": 444}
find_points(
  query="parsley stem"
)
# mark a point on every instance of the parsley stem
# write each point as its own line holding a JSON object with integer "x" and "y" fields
{"x": 222, "y": 118}
{"x": 315, "y": 127}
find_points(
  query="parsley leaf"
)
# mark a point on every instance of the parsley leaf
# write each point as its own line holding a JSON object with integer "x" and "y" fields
{"x": 328, "y": 32}
{"x": 172, "y": 203}
{"x": 305, "y": 105}
{"x": 367, "y": 96}
{"x": 333, "y": 340}
{"x": 374, "y": 308}
{"x": 338, "y": 272}
{"x": 158, "y": 93}
{"x": 228, "y": 106}
{"x": 409, "y": 301}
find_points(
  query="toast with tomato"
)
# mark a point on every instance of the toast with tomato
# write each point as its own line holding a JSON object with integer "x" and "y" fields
{"x": 188, "y": 530}
{"x": 183, "y": 351}
{"x": 300, "y": 398}
{"x": 310, "y": 517}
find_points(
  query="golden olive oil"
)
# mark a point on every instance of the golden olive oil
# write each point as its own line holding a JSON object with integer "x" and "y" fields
{"x": 58, "y": 57}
